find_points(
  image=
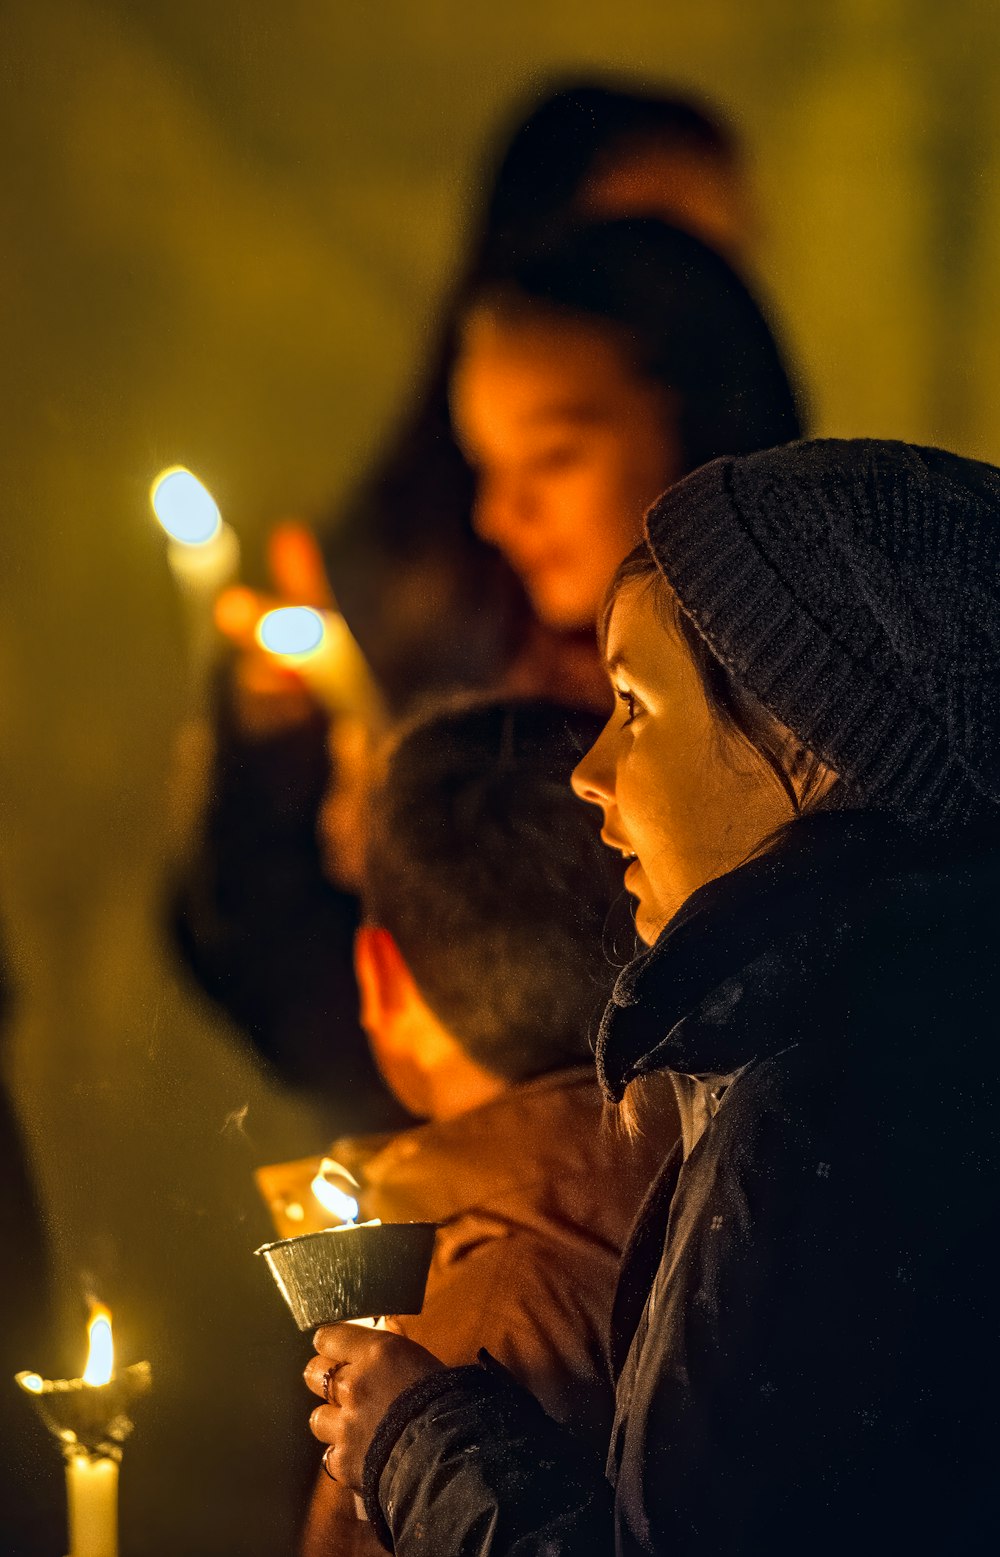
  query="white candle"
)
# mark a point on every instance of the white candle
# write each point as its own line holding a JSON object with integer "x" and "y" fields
{"x": 203, "y": 552}
{"x": 92, "y": 1496}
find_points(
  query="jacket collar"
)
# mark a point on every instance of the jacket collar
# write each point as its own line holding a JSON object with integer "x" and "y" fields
{"x": 677, "y": 1005}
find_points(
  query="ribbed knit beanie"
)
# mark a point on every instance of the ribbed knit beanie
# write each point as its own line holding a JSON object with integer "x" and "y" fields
{"x": 853, "y": 587}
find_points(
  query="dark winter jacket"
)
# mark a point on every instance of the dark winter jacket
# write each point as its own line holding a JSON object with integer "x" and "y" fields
{"x": 806, "y": 1324}
{"x": 534, "y": 1193}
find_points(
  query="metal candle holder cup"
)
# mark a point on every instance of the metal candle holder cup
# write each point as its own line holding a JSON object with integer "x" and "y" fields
{"x": 352, "y": 1272}
{"x": 95, "y": 1418}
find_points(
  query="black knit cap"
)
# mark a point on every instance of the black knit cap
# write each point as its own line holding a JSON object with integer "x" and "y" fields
{"x": 853, "y": 586}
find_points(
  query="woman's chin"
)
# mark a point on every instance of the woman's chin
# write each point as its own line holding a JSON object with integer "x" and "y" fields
{"x": 650, "y": 918}
{"x": 647, "y": 925}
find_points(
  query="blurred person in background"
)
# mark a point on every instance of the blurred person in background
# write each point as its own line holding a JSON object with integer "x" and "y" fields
{"x": 482, "y": 971}
{"x": 402, "y": 552}
{"x": 433, "y": 605}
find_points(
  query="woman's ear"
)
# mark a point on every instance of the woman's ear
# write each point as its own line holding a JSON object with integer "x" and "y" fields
{"x": 383, "y": 978}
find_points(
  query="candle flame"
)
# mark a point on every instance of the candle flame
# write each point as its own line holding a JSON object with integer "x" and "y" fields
{"x": 332, "y": 1199}
{"x": 101, "y": 1356}
{"x": 185, "y": 508}
{"x": 291, "y": 630}
{"x": 32, "y": 1382}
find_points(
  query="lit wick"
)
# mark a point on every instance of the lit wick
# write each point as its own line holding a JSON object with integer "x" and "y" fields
{"x": 333, "y": 1199}
{"x": 90, "y": 1418}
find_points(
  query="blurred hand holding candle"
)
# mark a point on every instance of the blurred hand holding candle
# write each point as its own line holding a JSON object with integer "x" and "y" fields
{"x": 320, "y": 647}
{"x": 91, "y": 1417}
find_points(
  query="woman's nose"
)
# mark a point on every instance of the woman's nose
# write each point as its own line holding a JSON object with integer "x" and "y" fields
{"x": 501, "y": 508}
{"x": 593, "y": 776}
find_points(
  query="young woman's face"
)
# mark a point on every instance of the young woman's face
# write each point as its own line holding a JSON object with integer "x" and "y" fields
{"x": 570, "y": 447}
{"x": 683, "y": 799}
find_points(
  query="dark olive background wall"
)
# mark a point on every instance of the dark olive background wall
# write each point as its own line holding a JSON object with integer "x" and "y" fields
{"x": 225, "y": 227}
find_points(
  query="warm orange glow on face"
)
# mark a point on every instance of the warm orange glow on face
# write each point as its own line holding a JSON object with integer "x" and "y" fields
{"x": 570, "y": 446}
{"x": 101, "y": 1355}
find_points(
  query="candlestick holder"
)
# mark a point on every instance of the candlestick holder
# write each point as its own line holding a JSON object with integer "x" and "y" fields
{"x": 90, "y": 1422}
{"x": 92, "y": 1418}
{"x": 352, "y": 1272}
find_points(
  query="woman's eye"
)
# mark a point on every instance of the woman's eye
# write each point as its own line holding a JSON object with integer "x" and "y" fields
{"x": 628, "y": 699}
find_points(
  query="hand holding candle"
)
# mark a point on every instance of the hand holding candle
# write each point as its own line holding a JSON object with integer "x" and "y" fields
{"x": 358, "y": 1373}
{"x": 296, "y": 632}
{"x": 353, "y": 1273}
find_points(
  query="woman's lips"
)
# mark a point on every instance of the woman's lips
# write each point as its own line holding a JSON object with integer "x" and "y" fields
{"x": 632, "y": 866}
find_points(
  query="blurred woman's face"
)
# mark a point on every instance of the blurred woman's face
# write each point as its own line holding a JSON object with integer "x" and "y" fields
{"x": 684, "y": 800}
{"x": 569, "y": 446}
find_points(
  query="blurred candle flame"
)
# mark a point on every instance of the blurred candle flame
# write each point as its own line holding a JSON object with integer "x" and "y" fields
{"x": 332, "y": 1199}
{"x": 291, "y": 630}
{"x": 101, "y": 1355}
{"x": 185, "y": 508}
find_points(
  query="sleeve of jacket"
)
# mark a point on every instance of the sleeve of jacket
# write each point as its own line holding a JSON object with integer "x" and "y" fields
{"x": 467, "y": 1463}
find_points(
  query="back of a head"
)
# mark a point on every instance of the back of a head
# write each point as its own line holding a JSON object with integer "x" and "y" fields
{"x": 578, "y": 130}
{"x": 492, "y": 879}
{"x": 684, "y": 318}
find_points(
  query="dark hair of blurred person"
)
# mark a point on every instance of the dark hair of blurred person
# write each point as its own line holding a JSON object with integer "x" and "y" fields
{"x": 401, "y": 552}
{"x": 483, "y": 972}
{"x": 604, "y": 150}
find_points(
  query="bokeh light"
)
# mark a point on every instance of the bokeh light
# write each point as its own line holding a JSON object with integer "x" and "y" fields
{"x": 185, "y": 508}
{"x": 291, "y": 630}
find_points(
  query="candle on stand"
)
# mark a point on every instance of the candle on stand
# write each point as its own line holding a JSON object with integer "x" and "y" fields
{"x": 90, "y": 1418}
